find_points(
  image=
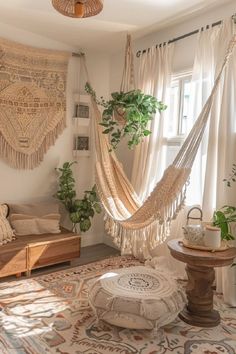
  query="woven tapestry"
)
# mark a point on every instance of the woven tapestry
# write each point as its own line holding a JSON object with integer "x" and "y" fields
{"x": 32, "y": 102}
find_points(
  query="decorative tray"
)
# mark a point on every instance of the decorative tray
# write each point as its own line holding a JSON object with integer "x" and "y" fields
{"x": 224, "y": 246}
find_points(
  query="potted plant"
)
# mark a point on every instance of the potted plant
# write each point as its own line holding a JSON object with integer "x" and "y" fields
{"x": 80, "y": 210}
{"x": 223, "y": 218}
{"x": 127, "y": 114}
{"x": 231, "y": 178}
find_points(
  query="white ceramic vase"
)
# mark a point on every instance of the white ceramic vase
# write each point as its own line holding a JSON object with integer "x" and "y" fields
{"x": 212, "y": 237}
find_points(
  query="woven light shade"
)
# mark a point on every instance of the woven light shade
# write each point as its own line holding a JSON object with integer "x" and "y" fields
{"x": 78, "y": 8}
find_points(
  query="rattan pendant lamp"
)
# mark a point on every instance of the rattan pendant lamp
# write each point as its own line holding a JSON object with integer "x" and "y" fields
{"x": 78, "y": 8}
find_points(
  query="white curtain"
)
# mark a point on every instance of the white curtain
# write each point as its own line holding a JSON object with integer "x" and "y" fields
{"x": 217, "y": 152}
{"x": 154, "y": 78}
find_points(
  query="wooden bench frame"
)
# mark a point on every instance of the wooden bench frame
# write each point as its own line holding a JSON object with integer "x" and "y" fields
{"x": 36, "y": 251}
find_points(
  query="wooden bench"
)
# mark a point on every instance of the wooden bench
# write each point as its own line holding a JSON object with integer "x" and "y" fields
{"x": 36, "y": 251}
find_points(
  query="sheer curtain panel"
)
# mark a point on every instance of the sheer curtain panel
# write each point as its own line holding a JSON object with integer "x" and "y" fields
{"x": 154, "y": 76}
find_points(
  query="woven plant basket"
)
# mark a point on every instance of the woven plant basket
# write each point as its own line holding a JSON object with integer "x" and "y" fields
{"x": 119, "y": 116}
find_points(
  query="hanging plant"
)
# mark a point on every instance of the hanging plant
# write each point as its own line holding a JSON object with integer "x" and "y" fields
{"x": 127, "y": 114}
{"x": 80, "y": 210}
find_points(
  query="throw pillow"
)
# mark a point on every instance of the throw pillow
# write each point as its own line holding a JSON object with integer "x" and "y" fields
{"x": 6, "y": 232}
{"x": 35, "y": 218}
{"x": 36, "y": 209}
{"x": 32, "y": 225}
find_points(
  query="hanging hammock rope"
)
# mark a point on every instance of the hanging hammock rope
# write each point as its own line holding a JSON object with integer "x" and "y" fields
{"x": 125, "y": 216}
{"x": 128, "y": 78}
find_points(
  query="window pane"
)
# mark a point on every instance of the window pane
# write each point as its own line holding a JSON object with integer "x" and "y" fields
{"x": 173, "y": 110}
{"x": 178, "y": 120}
{"x": 184, "y": 117}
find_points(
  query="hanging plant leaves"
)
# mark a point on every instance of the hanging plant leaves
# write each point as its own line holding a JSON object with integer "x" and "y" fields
{"x": 128, "y": 115}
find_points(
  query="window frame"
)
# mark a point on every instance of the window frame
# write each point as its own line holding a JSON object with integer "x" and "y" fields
{"x": 179, "y": 78}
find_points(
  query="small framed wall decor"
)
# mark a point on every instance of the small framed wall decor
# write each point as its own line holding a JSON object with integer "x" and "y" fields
{"x": 81, "y": 143}
{"x": 82, "y": 110}
{"x": 81, "y": 125}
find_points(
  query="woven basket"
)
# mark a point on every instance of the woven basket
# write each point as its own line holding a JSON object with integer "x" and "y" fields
{"x": 119, "y": 116}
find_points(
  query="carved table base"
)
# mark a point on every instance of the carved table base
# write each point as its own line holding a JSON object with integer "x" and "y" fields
{"x": 200, "y": 270}
{"x": 199, "y": 310}
{"x": 211, "y": 319}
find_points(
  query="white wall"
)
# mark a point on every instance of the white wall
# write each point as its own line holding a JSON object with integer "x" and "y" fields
{"x": 41, "y": 182}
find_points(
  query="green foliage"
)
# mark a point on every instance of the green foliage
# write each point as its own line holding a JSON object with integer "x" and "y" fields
{"x": 223, "y": 218}
{"x": 232, "y": 176}
{"x": 80, "y": 210}
{"x": 136, "y": 110}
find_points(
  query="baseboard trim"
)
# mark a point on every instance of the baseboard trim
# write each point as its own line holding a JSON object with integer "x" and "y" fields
{"x": 90, "y": 239}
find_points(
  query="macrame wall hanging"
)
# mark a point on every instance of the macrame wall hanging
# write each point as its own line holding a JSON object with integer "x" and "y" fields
{"x": 32, "y": 102}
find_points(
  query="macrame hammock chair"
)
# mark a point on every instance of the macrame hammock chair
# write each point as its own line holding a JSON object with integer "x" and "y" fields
{"x": 125, "y": 217}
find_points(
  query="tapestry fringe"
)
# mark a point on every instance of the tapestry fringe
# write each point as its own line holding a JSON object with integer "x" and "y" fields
{"x": 20, "y": 160}
{"x": 32, "y": 102}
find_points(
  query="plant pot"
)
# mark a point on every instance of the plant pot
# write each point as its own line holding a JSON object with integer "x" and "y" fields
{"x": 119, "y": 116}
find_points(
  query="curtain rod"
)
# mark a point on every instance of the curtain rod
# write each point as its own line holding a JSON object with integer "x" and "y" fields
{"x": 184, "y": 36}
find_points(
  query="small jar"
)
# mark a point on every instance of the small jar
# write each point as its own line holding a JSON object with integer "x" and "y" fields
{"x": 212, "y": 237}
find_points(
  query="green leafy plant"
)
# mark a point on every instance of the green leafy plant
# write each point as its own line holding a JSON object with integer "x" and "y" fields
{"x": 232, "y": 176}
{"x": 127, "y": 114}
{"x": 80, "y": 210}
{"x": 223, "y": 218}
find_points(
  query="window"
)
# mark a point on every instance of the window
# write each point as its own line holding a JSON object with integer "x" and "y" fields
{"x": 178, "y": 118}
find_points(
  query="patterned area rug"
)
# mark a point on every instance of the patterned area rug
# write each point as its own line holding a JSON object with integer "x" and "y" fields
{"x": 50, "y": 314}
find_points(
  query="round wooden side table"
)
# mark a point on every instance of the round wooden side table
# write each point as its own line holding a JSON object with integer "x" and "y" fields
{"x": 201, "y": 274}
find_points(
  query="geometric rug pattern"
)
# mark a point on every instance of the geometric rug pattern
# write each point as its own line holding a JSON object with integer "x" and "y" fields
{"x": 50, "y": 314}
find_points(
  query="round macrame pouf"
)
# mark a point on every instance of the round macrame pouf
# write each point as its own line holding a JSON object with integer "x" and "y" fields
{"x": 136, "y": 298}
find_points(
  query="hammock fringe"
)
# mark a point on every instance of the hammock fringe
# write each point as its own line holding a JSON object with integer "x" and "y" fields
{"x": 156, "y": 233}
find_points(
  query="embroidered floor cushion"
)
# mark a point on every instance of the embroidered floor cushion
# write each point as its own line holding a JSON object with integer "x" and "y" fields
{"x": 137, "y": 298}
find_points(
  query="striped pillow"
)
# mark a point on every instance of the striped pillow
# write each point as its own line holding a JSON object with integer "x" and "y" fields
{"x": 6, "y": 232}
